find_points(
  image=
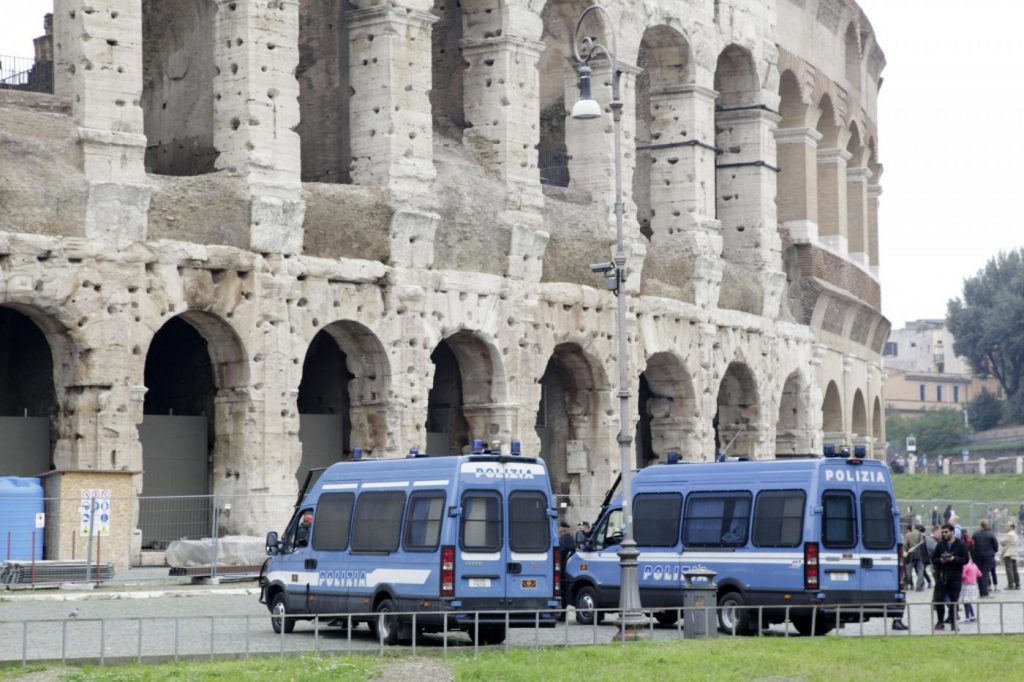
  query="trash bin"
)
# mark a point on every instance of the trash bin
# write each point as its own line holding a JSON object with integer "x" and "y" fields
{"x": 700, "y": 599}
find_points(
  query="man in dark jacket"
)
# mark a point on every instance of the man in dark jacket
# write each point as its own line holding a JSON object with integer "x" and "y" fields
{"x": 986, "y": 549}
{"x": 948, "y": 562}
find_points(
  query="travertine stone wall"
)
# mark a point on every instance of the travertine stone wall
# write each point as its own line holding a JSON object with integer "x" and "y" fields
{"x": 450, "y": 240}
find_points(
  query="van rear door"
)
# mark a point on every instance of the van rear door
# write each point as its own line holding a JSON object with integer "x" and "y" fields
{"x": 879, "y": 557}
{"x": 839, "y": 558}
{"x": 531, "y": 554}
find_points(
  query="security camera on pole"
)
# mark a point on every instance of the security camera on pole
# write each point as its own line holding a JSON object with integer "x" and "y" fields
{"x": 585, "y": 48}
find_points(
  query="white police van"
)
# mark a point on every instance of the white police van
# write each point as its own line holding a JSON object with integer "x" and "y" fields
{"x": 444, "y": 537}
{"x": 782, "y": 534}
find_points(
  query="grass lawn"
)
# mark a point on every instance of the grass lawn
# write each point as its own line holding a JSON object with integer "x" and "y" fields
{"x": 994, "y": 488}
{"x": 829, "y": 659}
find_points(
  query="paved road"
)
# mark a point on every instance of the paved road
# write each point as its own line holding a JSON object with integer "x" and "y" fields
{"x": 228, "y": 619}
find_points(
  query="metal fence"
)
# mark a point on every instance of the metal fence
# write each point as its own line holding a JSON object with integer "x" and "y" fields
{"x": 969, "y": 512}
{"x": 155, "y": 639}
{"x": 23, "y": 73}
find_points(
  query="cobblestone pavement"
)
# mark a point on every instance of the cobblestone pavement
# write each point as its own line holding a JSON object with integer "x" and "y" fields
{"x": 153, "y": 623}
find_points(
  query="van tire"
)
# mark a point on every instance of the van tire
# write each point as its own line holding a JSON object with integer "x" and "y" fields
{"x": 822, "y": 625}
{"x": 586, "y": 606}
{"x": 279, "y": 614}
{"x": 488, "y": 634}
{"x": 732, "y": 614}
{"x": 666, "y": 617}
{"x": 385, "y": 626}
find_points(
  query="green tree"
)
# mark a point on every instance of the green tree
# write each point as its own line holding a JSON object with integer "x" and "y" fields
{"x": 939, "y": 430}
{"x": 988, "y": 322}
{"x": 897, "y": 428}
{"x": 984, "y": 411}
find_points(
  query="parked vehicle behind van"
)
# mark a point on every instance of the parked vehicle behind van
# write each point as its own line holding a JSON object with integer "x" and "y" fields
{"x": 443, "y": 537}
{"x": 782, "y": 534}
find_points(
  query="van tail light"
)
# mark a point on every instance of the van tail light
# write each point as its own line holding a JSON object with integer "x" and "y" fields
{"x": 812, "y": 571}
{"x": 902, "y": 562}
{"x": 558, "y": 573}
{"x": 448, "y": 571}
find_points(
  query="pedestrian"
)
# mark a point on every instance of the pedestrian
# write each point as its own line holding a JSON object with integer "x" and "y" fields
{"x": 986, "y": 549}
{"x": 935, "y": 516}
{"x": 948, "y": 564}
{"x": 1020, "y": 517}
{"x": 913, "y": 544}
{"x": 969, "y": 592}
{"x": 1008, "y": 544}
{"x": 582, "y": 532}
{"x": 947, "y": 513}
{"x": 566, "y": 542}
{"x": 931, "y": 541}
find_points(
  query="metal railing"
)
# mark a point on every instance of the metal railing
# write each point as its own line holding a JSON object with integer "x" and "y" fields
{"x": 23, "y": 73}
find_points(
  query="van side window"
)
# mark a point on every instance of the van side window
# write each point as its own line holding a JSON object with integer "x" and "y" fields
{"x": 529, "y": 526}
{"x": 333, "y": 517}
{"x": 779, "y": 518}
{"x": 876, "y": 520}
{"x": 609, "y": 530}
{"x": 423, "y": 521}
{"x": 656, "y": 519}
{"x": 838, "y": 522}
{"x": 716, "y": 519}
{"x": 378, "y": 522}
{"x": 481, "y": 521}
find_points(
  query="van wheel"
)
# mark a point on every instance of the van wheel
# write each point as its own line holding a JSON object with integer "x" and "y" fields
{"x": 586, "y": 606}
{"x": 487, "y": 634}
{"x": 385, "y": 625}
{"x": 733, "y": 616}
{"x": 666, "y": 617}
{"x": 822, "y": 625}
{"x": 279, "y": 619}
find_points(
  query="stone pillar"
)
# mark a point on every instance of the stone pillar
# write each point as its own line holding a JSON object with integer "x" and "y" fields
{"x": 392, "y": 129}
{"x": 797, "y": 200}
{"x": 832, "y": 207}
{"x": 256, "y": 111}
{"x": 99, "y": 69}
{"x": 874, "y": 192}
{"x": 686, "y": 239}
{"x": 857, "y": 214}
{"x": 746, "y": 190}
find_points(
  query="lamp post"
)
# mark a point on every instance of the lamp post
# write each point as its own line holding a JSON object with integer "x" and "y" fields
{"x": 587, "y": 108}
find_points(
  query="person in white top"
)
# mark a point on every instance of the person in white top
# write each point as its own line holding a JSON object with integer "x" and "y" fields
{"x": 1008, "y": 544}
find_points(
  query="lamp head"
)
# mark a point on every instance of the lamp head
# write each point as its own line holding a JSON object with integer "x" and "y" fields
{"x": 586, "y": 107}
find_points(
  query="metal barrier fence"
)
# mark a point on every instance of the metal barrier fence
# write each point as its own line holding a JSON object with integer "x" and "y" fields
{"x": 155, "y": 639}
{"x": 24, "y": 73}
{"x": 969, "y": 512}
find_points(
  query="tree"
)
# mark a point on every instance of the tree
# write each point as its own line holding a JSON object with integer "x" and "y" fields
{"x": 988, "y": 323}
{"x": 939, "y": 430}
{"x": 984, "y": 411}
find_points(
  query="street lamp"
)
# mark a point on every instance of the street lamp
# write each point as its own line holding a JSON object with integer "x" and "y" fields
{"x": 587, "y": 108}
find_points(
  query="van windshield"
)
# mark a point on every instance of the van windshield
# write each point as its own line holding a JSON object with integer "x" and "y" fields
{"x": 529, "y": 524}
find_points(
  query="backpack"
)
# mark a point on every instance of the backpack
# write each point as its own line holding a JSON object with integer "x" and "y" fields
{"x": 968, "y": 541}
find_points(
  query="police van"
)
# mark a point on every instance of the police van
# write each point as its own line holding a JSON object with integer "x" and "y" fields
{"x": 444, "y": 537}
{"x": 782, "y": 534}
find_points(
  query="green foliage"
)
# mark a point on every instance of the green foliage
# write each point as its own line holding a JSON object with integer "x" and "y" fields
{"x": 988, "y": 323}
{"x": 897, "y": 428}
{"x": 984, "y": 411}
{"x": 936, "y": 430}
{"x": 1015, "y": 408}
{"x": 1004, "y": 488}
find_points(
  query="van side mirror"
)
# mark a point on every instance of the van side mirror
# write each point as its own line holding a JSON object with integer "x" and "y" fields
{"x": 273, "y": 544}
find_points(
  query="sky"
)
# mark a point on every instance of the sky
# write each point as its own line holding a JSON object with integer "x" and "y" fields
{"x": 951, "y": 139}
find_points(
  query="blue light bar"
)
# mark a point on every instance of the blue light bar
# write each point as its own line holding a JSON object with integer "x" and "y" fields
{"x": 830, "y": 451}
{"x": 357, "y": 453}
{"x": 673, "y": 457}
{"x": 860, "y": 451}
{"x": 478, "y": 446}
{"x": 516, "y": 448}
{"x": 414, "y": 452}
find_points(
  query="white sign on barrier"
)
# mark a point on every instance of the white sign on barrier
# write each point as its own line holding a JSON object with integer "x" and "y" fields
{"x": 95, "y": 511}
{"x": 40, "y": 520}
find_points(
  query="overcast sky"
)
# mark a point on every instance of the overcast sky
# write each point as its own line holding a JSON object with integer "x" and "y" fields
{"x": 951, "y": 138}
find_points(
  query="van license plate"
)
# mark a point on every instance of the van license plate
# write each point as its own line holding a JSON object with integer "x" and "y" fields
{"x": 479, "y": 582}
{"x": 840, "y": 577}
{"x": 529, "y": 583}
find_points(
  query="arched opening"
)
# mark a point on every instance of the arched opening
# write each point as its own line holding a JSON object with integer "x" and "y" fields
{"x": 447, "y": 70}
{"x": 877, "y": 425}
{"x": 667, "y": 410}
{"x": 342, "y": 397}
{"x": 796, "y": 200}
{"x": 738, "y": 417}
{"x": 832, "y": 412}
{"x": 177, "y": 86}
{"x": 859, "y": 418}
{"x": 192, "y": 424}
{"x": 571, "y": 391}
{"x": 324, "y": 91}
{"x": 28, "y": 399}
{"x": 851, "y": 47}
{"x": 664, "y": 60}
{"x": 832, "y": 205}
{"x": 468, "y": 381}
{"x": 792, "y": 429}
{"x": 735, "y": 79}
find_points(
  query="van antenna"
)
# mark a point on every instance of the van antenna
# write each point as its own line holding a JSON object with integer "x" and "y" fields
{"x": 742, "y": 426}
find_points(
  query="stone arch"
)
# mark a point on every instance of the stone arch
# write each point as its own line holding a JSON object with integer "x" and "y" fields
{"x": 855, "y": 147}
{"x": 194, "y": 415}
{"x": 467, "y": 400}
{"x": 557, "y": 77}
{"x": 793, "y": 106}
{"x": 796, "y": 196}
{"x": 736, "y": 78}
{"x": 828, "y": 123}
{"x": 343, "y": 396}
{"x": 851, "y": 56}
{"x": 859, "y": 415}
{"x": 574, "y": 393}
{"x": 178, "y": 69}
{"x": 794, "y": 429}
{"x": 324, "y": 90}
{"x": 668, "y": 411}
{"x": 832, "y": 413}
{"x": 877, "y": 423}
{"x": 666, "y": 64}
{"x": 738, "y": 420}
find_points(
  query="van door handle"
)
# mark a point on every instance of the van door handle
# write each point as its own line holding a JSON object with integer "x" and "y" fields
{"x": 310, "y": 564}
{"x": 867, "y": 562}
{"x": 514, "y": 567}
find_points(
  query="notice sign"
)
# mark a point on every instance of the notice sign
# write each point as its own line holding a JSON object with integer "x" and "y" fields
{"x": 95, "y": 511}
{"x": 40, "y": 520}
